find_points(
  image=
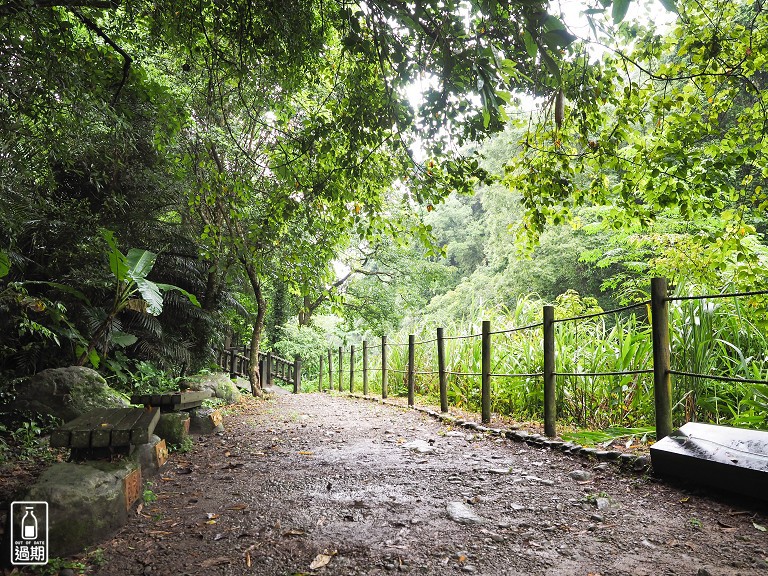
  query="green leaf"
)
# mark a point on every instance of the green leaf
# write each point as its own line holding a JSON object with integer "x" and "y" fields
{"x": 167, "y": 287}
{"x": 558, "y": 39}
{"x": 670, "y": 5}
{"x": 551, "y": 65}
{"x": 116, "y": 258}
{"x": 530, "y": 44}
{"x": 619, "y": 10}
{"x": 123, "y": 339}
{"x": 140, "y": 263}
{"x": 151, "y": 294}
{"x": 5, "y": 264}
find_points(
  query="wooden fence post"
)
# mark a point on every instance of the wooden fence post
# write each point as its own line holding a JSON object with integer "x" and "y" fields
{"x": 330, "y": 370}
{"x": 411, "y": 367}
{"x": 352, "y": 369}
{"x": 485, "y": 362}
{"x": 341, "y": 366}
{"x": 662, "y": 382}
{"x": 296, "y": 375}
{"x": 442, "y": 376}
{"x": 365, "y": 368}
{"x": 550, "y": 408}
{"x": 320, "y": 375}
{"x": 383, "y": 367}
{"x": 269, "y": 368}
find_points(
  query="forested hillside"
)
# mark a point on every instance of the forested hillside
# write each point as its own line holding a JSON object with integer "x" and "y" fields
{"x": 179, "y": 177}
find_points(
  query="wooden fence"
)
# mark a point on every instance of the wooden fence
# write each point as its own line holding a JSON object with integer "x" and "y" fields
{"x": 662, "y": 371}
{"x": 237, "y": 362}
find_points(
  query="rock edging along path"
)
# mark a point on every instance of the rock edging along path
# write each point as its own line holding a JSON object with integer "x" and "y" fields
{"x": 313, "y": 483}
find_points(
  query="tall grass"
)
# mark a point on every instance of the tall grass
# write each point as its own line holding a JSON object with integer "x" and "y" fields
{"x": 707, "y": 337}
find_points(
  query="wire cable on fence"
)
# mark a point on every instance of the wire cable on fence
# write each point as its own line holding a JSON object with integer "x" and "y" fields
{"x": 719, "y": 378}
{"x": 605, "y": 312}
{"x": 398, "y": 371}
{"x": 426, "y": 341}
{"x": 463, "y": 373}
{"x": 537, "y": 325}
{"x": 462, "y": 337}
{"x": 708, "y": 296}
{"x": 533, "y": 375}
{"x": 618, "y": 373}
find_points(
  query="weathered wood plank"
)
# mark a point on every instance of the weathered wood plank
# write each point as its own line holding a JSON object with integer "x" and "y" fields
{"x": 101, "y": 436}
{"x": 121, "y": 433}
{"x": 84, "y": 426}
{"x": 172, "y": 400}
{"x": 145, "y": 426}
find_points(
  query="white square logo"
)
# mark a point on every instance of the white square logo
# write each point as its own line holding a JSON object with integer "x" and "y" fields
{"x": 29, "y": 533}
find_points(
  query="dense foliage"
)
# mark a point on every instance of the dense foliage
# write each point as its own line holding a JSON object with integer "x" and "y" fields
{"x": 185, "y": 176}
{"x": 240, "y": 144}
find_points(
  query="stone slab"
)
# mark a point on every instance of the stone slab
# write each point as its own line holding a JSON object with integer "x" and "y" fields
{"x": 731, "y": 459}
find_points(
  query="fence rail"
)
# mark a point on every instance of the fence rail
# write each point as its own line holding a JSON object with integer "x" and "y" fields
{"x": 660, "y": 368}
{"x": 237, "y": 362}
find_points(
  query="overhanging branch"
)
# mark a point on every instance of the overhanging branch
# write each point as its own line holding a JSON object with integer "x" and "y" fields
{"x": 16, "y": 6}
{"x": 127, "y": 60}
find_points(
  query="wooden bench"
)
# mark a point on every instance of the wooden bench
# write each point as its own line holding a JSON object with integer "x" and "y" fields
{"x": 104, "y": 431}
{"x": 172, "y": 401}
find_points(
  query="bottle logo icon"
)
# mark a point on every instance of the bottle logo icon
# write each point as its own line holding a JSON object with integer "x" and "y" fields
{"x": 29, "y": 524}
{"x": 29, "y": 533}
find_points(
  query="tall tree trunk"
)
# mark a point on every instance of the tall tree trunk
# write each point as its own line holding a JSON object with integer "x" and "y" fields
{"x": 258, "y": 327}
{"x": 305, "y": 313}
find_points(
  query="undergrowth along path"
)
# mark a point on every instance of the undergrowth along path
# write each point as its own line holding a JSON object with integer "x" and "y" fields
{"x": 315, "y": 483}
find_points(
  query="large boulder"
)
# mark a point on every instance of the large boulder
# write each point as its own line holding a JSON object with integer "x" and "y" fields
{"x": 219, "y": 384}
{"x": 86, "y": 502}
{"x": 65, "y": 393}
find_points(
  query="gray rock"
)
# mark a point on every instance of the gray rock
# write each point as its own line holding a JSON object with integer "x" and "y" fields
{"x": 219, "y": 384}
{"x": 580, "y": 475}
{"x": 420, "y": 446}
{"x": 65, "y": 393}
{"x": 544, "y": 481}
{"x": 463, "y": 514}
{"x": 603, "y": 503}
{"x": 86, "y": 502}
{"x": 200, "y": 421}
{"x": 173, "y": 427}
{"x": 144, "y": 455}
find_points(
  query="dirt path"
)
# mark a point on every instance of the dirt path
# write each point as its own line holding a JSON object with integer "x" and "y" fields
{"x": 298, "y": 476}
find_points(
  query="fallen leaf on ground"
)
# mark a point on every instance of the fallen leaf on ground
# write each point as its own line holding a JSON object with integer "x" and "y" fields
{"x": 238, "y": 507}
{"x": 294, "y": 532}
{"x": 306, "y": 453}
{"x": 211, "y": 516}
{"x": 220, "y": 560}
{"x": 322, "y": 560}
{"x": 759, "y": 527}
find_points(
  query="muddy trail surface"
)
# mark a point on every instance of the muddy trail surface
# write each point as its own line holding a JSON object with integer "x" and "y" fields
{"x": 320, "y": 484}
